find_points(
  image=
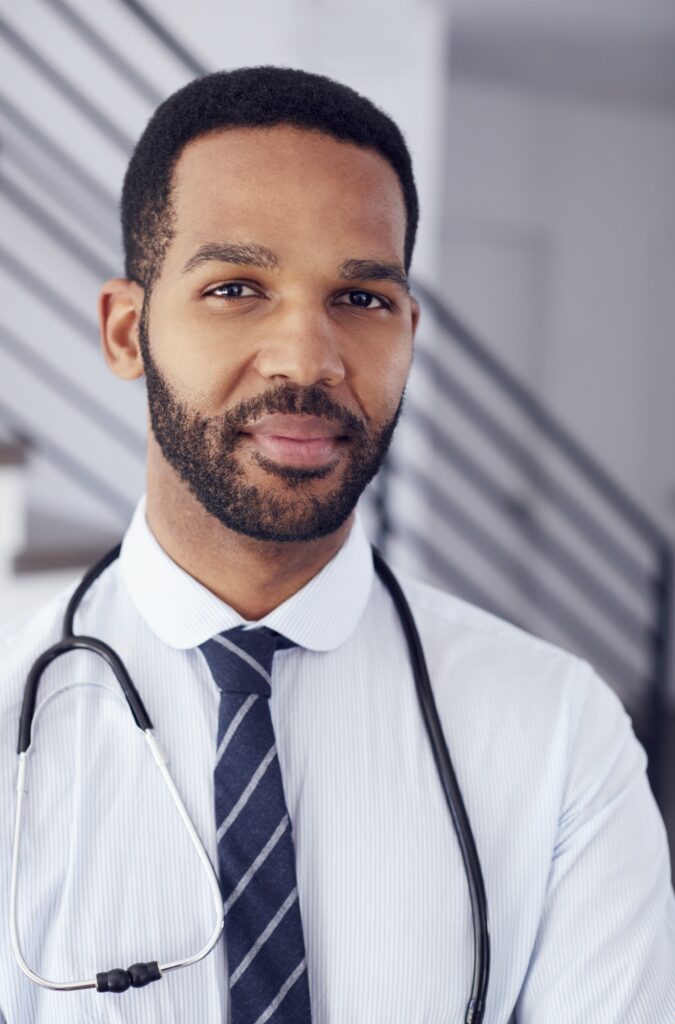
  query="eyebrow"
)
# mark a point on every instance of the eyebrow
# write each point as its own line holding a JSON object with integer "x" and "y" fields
{"x": 252, "y": 254}
{"x": 374, "y": 270}
{"x": 248, "y": 254}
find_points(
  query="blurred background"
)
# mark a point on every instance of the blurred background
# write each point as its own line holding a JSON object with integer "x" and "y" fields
{"x": 533, "y": 469}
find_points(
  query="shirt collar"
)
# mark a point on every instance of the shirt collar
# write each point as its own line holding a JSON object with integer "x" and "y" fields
{"x": 183, "y": 613}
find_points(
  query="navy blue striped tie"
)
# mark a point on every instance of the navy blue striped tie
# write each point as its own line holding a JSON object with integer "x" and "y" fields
{"x": 263, "y": 927}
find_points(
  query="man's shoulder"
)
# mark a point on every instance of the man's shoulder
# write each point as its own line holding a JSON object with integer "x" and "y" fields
{"x": 448, "y": 613}
{"x": 501, "y": 663}
{"x": 26, "y": 635}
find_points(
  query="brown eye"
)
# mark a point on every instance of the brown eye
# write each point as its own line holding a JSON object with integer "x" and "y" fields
{"x": 231, "y": 290}
{"x": 364, "y": 300}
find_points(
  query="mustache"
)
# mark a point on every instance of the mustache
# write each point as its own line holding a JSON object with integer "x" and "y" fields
{"x": 289, "y": 399}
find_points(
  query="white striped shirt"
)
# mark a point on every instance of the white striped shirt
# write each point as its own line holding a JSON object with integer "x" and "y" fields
{"x": 573, "y": 849}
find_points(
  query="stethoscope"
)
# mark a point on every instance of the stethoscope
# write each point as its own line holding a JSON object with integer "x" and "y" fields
{"x": 138, "y": 975}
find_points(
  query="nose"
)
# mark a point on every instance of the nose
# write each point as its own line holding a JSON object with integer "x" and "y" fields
{"x": 301, "y": 345}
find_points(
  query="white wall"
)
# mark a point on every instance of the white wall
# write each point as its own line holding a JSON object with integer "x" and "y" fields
{"x": 572, "y": 207}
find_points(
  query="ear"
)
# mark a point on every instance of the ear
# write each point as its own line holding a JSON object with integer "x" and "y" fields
{"x": 120, "y": 303}
{"x": 415, "y": 313}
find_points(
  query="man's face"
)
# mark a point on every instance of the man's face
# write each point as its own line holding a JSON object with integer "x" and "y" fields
{"x": 278, "y": 336}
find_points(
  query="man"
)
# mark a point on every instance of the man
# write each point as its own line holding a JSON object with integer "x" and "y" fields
{"x": 269, "y": 218}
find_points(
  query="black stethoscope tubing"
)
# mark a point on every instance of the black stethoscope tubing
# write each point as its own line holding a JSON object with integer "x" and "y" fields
{"x": 460, "y": 820}
{"x": 453, "y": 796}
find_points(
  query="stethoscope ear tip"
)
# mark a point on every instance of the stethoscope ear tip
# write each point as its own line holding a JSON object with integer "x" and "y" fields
{"x": 119, "y": 980}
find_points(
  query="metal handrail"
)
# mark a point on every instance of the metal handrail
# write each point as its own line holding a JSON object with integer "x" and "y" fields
{"x": 104, "y": 50}
{"x": 511, "y": 568}
{"x": 94, "y": 485}
{"x": 58, "y": 155}
{"x": 44, "y": 293}
{"x": 165, "y": 37}
{"x": 664, "y": 596}
{"x": 617, "y": 556}
{"x": 658, "y": 586}
{"x": 35, "y": 211}
{"x": 455, "y": 575}
{"x": 531, "y": 527}
{"x": 59, "y": 82}
{"x": 540, "y": 417}
{"x": 109, "y": 422}
{"x": 627, "y": 510}
{"x": 76, "y": 204}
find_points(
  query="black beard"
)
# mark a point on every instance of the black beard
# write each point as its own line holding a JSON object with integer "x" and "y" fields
{"x": 202, "y": 452}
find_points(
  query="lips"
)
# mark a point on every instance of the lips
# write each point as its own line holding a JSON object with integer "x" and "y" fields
{"x": 298, "y": 440}
{"x": 299, "y": 428}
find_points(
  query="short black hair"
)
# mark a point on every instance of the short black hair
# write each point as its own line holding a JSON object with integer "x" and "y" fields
{"x": 245, "y": 97}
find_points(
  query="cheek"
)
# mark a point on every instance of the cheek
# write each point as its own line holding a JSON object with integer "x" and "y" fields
{"x": 200, "y": 375}
{"x": 381, "y": 378}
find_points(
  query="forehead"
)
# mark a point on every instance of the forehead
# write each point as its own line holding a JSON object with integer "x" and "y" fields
{"x": 287, "y": 187}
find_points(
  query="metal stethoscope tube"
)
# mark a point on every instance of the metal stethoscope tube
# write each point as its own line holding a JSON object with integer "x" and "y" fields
{"x": 138, "y": 975}
{"x": 118, "y": 980}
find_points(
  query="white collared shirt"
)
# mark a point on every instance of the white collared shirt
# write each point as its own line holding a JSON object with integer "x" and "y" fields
{"x": 573, "y": 850}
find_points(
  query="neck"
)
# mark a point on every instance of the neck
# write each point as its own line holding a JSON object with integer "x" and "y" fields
{"x": 252, "y": 576}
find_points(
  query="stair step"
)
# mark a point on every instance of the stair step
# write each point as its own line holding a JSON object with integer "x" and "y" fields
{"x": 37, "y": 560}
{"x": 12, "y": 453}
{"x": 52, "y": 544}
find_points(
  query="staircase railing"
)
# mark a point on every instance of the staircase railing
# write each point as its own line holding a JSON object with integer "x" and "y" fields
{"x": 631, "y": 579}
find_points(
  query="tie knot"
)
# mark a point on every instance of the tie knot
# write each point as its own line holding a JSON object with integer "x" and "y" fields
{"x": 241, "y": 659}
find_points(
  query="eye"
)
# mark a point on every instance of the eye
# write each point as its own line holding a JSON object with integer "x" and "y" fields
{"x": 364, "y": 300}
{"x": 232, "y": 290}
